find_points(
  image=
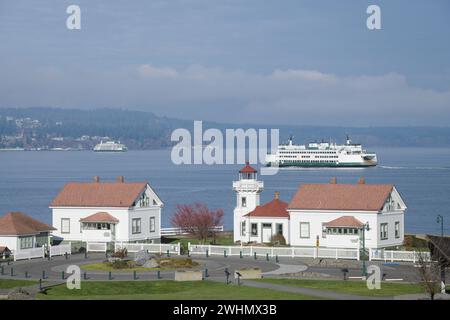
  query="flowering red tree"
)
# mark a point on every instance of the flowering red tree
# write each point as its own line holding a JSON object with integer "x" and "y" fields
{"x": 197, "y": 220}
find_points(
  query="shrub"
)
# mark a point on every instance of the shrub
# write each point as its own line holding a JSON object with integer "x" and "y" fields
{"x": 121, "y": 253}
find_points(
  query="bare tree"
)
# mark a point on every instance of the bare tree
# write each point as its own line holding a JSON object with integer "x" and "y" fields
{"x": 197, "y": 220}
{"x": 430, "y": 274}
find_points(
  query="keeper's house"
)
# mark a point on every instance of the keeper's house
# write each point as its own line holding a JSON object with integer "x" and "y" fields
{"x": 107, "y": 212}
{"x": 334, "y": 215}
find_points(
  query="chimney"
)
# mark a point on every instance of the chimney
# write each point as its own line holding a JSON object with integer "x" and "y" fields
{"x": 120, "y": 179}
{"x": 277, "y": 195}
{"x": 362, "y": 180}
{"x": 333, "y": 180}
{"x": 96, "y": 179}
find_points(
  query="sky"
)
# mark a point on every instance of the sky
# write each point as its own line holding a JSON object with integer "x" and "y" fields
{"x": 292, "y": 62}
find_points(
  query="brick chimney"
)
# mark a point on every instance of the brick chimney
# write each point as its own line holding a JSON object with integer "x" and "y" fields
{"x": 277, "y": 195}
{"x": 120, "y": 179}
{"x": 362, "y": 180}
{"x": 96, "y": 179}
{"x": 333, "y": 180}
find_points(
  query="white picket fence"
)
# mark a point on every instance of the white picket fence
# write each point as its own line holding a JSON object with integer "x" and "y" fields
{"x": 177, "y": 231}
{"x": 393, "y": 255}
{"x": 293, "y": 252}
{"x": 150, "y": 247}
{"x": 31, "y": 253}
{"x": 60, "y": 250}
{"x": 96, "y": 247}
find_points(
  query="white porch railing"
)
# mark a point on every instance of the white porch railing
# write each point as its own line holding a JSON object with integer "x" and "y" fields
{"x": 150, "y": 247}
{"x": 60, "y": 250}
{"x": 176, "y": 231}
{"x": 29, "y": 253}
{"x": 96, "y": 247}
{"x": 393, "y": 255}
{"x": 293, "y": 252}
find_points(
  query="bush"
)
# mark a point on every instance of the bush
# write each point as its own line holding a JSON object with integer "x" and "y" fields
{"x": 121, "y": 253}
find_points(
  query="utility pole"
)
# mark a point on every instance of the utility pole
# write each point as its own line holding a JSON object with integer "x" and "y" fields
{"x": 363, "y": 256}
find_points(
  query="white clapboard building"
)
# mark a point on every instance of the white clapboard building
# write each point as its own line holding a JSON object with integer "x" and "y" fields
{"x": 324, "y": 215}
{"x": 107, "y": 212}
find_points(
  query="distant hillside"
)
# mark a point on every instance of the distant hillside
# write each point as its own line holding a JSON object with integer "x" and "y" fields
{"x": 53, "y": 127}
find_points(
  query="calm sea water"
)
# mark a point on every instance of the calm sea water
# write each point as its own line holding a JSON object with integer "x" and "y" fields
{"x": 30, "y": 180}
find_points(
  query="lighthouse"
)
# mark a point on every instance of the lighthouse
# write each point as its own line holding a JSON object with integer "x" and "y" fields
{"x": 248, "y": 190}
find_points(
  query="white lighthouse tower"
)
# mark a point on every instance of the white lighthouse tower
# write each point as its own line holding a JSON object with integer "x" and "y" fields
{"x": 248, "y": 189}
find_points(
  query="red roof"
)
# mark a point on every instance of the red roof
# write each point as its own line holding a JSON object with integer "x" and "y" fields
{"x": 344, "y": 221}
{"x": 100, "y": 217}
{"x": 18, "y": 223}
{"x": 248, "y": 169}
{"x": 98, "y": 194}
{"x": 365, "y": 197}
{"x": 275, "y": 208}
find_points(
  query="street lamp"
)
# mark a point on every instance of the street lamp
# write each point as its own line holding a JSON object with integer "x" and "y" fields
{"x": 363, "y": 256}
{"x": 440, "y": 219}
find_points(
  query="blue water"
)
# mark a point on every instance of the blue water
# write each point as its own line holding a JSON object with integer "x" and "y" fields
{"x": 30, "y": 180}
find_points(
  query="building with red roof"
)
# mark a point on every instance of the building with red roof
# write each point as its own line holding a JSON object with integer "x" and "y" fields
{"x": 325, "y": 215}
{"x": 19, "y": 231}
{"x": 107, "y": 211}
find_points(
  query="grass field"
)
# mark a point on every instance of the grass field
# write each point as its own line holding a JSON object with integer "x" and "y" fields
{"x": 351, "y": 287}
{"x": 165, "y": 290}
{"x": 8, "y": 284}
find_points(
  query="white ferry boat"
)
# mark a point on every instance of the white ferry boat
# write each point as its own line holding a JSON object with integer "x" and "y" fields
{"x": 110, "y": 146}
{"x": 321, "y": 154}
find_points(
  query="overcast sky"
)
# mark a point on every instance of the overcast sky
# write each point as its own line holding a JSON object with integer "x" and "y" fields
{"x": 272, "y": 62}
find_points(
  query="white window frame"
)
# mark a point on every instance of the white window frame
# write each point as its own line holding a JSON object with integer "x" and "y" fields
{"x": 397, "y": 229}
{"x": 243, "y": 225}
{"x": 244, "y": 202}
{"x": 152, "y": 224}
{"x": 26, "y": 242}
{"x": 136, "y": 225}
{"x": 251, "y": 229}
{"x": 384, "y": 235}
{"x": 62, "y": 225}
{"x": 309, "y": 230}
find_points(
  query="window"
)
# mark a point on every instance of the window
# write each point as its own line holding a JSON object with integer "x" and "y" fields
{"x": 243, "y": 201}
{"x": 383, "y": 231}
{"x": 304, "y": 230}
{"x": 26, "y": 242}
{"x": 136, "y": 226}
{"x": 397, "y": 229}
{"x": 279, "y": 228}
{"x": 65, "y": 225}
{"x": 254, "y": 229}
{"x": 324, "y": 231}
{"x": 152, "y": 224}
{"x": 243, "y": 228}
{"x": 144, "y": 200}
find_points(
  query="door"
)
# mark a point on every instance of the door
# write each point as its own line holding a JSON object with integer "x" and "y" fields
{"x": 266, "y": 232}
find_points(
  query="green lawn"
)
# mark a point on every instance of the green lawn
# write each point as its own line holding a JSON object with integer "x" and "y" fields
{"x": 351, "y": 286}
{"x": 7, "y": 284}
{"x": 165, "y": 290}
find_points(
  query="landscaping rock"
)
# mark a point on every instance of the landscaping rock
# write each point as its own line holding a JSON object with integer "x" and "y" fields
{"x": 141, "y": 257}
{"x": 152, "y": 263}
{"x": 20, "y": 294}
